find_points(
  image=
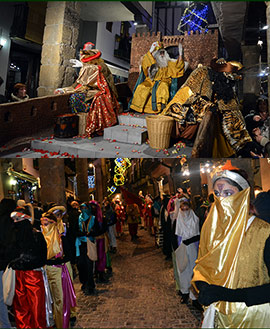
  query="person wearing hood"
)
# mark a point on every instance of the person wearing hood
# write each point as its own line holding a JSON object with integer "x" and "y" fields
{"x": 188, "y": 235}
{"x": 31, "y": 250}
{"x": 86, "y": 222}
{"x": 58, "y": 266}
{"x": 7, "y": 240}
{"x": 99, "y": 231}
{"x": 232, "y": 272}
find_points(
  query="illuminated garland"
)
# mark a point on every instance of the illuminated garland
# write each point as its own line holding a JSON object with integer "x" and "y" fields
{"x": 121, "y": 166}
{"x": 194, "y": 18}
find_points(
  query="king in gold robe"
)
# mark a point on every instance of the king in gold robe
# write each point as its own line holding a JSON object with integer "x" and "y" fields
{"x": 152, "y": 95}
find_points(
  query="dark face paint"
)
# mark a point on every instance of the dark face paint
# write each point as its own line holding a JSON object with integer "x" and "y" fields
{"x": 224, "y": 189}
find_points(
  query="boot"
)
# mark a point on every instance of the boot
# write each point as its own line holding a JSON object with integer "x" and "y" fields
{"x": 102, "y": 278}
{"x": 197, "y": 305}
{"x": 184, "y": 299}
{"x": 90, "y": 292}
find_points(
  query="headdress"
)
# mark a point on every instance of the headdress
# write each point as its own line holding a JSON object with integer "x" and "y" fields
{"x": 226, "y": 172}
{"x": 88, "y": 53}
{"x": 220, "y": 65}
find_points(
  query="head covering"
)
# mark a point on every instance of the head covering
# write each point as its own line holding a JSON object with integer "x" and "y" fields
{"x": 75, "y": 204}
{"x": 20, "y": 215}
{"x": 262, "y": 206}
{"x": 85, "y": 213}
{"x": 88, "y": 46}
{"x": 187, "y": 224}
{"x": 21, "y": 203}
{"x": 88, "y": 54}
{"x": 56, "y": 209}
{"x": 226, "y": 172}
{"x": 99, "y": 212}
{"x": 220, "y": 65}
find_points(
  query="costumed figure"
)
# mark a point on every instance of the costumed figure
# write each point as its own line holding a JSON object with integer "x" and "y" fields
{"x": 148, "y": 218}
{"x": 109, "y": 215}
{"x": 94, "y": 91}
{"x": 133, "y": 219}
{"x": 29, "y": 301}
{"x": 157, "y": 82}
{"x": 58, "y": 268}
{"x": 232, "y": 272}
{"x": 86, "y": 222}
{"x": 210, "y": 91}
{"x": 187, "y": 231}
{"x": 100, "y": 241}
{"x": 119, "y": 216}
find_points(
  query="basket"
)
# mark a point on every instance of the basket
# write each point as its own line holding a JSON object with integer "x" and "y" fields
{"x": 82, "y": 123}
{"x": 159, "y": 131}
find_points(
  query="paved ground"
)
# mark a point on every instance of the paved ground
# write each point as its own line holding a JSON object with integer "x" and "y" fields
{"x": 141, "y": 293}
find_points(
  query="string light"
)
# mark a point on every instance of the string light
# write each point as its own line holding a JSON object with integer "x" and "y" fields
{"x": 121, "y": 166}
{"x": 194, "y": 18}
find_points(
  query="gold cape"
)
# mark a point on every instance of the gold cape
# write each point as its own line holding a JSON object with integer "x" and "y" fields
{"x": 52, "y": 234}
{"x": 232, "y": 256}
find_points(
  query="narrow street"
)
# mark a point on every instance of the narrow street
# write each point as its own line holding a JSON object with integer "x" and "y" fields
{"x": 141, "y": 293}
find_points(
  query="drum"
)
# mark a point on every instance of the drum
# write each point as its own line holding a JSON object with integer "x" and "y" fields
{"x": 66, "y": 126}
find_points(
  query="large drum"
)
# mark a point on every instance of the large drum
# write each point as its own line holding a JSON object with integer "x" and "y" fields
{"x": 66, "y": 126}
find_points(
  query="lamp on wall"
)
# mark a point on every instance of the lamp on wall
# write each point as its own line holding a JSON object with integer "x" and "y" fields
{"x": 3, "y": 41}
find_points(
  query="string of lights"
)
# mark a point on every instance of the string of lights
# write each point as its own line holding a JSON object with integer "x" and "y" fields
{"x": 194, "y": 18}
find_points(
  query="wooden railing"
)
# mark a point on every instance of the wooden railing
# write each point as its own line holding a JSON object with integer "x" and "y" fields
{"x": 28, "y": 118}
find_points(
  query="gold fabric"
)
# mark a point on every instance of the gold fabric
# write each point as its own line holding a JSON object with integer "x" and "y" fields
{"x": 88, "y": 79}
{"x": 52, "y": 234}
{"x": 142, "y": 100}
{"x": 250, "y": 271}
{"x": 221, "y": 146}
{"x": 233, "y": 124}
{"x": 221, "y": 237}
{"x": 233, "y": 257}
{"x": 133, "y": 214}
{"x": 54, "y": 275}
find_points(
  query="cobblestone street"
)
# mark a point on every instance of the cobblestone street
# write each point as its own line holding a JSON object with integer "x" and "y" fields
{"x": 141, "y": 293}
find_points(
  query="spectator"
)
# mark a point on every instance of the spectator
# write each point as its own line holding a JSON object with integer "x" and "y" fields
{"x": 19, "y": 93}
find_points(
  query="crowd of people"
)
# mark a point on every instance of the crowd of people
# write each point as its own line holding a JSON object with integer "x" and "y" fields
{"x": 215, "y": 246}
{"x": 43, "y": 249}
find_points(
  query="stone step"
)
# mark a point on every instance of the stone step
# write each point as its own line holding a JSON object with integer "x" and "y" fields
{"x": 96, "y": 147}
{"x": 133, "y": 119}
{"x": 126, "y": 134}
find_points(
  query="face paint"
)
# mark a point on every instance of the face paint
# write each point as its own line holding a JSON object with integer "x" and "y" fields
{"x": 222, "y": 188}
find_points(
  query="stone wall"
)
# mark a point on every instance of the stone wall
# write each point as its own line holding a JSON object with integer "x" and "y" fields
{"x": 199, "y": 48}
{"x": 59, "y": 46}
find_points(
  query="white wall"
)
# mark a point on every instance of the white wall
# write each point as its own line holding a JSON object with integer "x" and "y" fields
{"x": 6, "y": 19}
{"x": 147, "y": 5}
{"x": 105, "y": 42}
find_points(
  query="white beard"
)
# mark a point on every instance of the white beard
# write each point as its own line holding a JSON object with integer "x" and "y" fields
{"x": 162, "y": 61}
